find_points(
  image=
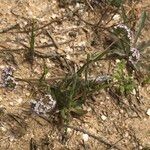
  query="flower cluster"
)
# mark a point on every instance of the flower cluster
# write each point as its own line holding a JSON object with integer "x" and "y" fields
{"x": 129, "y": 32}
{"x": 135, "y": 54}
{"x": 8, "y": 80}
{"x": 41, "y": 107}
{"x": 102, "y": 78}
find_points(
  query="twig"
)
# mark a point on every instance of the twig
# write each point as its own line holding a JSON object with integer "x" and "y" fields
{"x": 37, "y": 79}
{"x": 51, "y": 22}
{"x": 52, "y": 38}
{"x": 36, "y": 47}
{"x": 17, "y": 118}
{"x": 9, "y": 28}
{"x": 90, "y": 5}
{"x": 52, "y": 44}
{"x": 41, "y": 46}
{"x": 115, "y": 143}
{"x": 100, "y": 139}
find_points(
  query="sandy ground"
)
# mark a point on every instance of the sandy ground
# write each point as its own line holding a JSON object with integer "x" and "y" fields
{"x": 103, "y": 119}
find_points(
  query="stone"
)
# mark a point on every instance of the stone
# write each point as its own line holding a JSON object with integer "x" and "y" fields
{"x": 85, "y": 137}
{"x": 103, "y": 117}
{"x": 148, "y": 112}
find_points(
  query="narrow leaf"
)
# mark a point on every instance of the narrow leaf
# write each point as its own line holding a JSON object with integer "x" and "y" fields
{"x": 140, "y": 25}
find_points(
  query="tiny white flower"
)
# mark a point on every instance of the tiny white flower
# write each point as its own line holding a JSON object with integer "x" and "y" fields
{"x": 129, "y": 32}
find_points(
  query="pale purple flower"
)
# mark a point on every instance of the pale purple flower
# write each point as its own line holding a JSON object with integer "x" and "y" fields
{"x": 129, "y": 32}
{"x": 135, "y": 55}
{"x": 43, "y": 108}
{"x": 102, "y": 78}
{"x": 7, "y": 78}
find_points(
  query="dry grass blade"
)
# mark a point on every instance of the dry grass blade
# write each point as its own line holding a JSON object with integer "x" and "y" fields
{"x": 33, "y": 145}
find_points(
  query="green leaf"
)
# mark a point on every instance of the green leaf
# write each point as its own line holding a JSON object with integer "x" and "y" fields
{"x": 123, "y": 14}
{"x": 73, "y": 86}
{"x": 44, "y": 73}
{"x": 146, "y": 80}
{"x": 63, "y": 114}
{"x": 96, "y": 57}
{"x": 78, "y": 111}
{"x": 116, "y": 3}
{"x": 140, "y": 25}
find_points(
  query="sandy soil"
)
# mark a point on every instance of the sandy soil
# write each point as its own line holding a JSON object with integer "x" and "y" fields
{"x": 104, "y": 118}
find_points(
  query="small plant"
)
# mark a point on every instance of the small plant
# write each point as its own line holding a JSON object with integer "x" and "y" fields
{"x": 124, "y": 83}
{"x": 126, "y": 44}
{"x": 72, "y": 92}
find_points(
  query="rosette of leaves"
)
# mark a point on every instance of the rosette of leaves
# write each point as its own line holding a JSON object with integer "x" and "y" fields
{"x": 73, "y": 91}
{"x": 70, "y": 94}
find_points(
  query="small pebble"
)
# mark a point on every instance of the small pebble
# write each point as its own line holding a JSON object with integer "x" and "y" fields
{"x": 19, "y": 100}
{"x": 134, "y": 92}
{"x": 68, "y": 57}
{"x": 11, "y": 104}
{"x": 117, "y": 60}
{"x": 148, "y": 112}
{"x": 121, "y": 111}
{"x": 48, "y": 75}
{"x": 11, "y": 139}
{"x": 85, "y": 137}
{"x": 140, "y": 147}
{"x": 1, "y": 98}
{"x": 103, "y": 117}
{"x": 69, "y": 130}
{"x": 89, "y": 109}
{"x": 43, "y": 40}
{"x": 100, "y": 65}
{"x": 126, "y": 134}
{"x": 3, "y": 129}
{"x": 86, "y": 125}
{"x": 27, "y": 94}
{"x": 107, "y": 97}
{"x": 116, "y": 17}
